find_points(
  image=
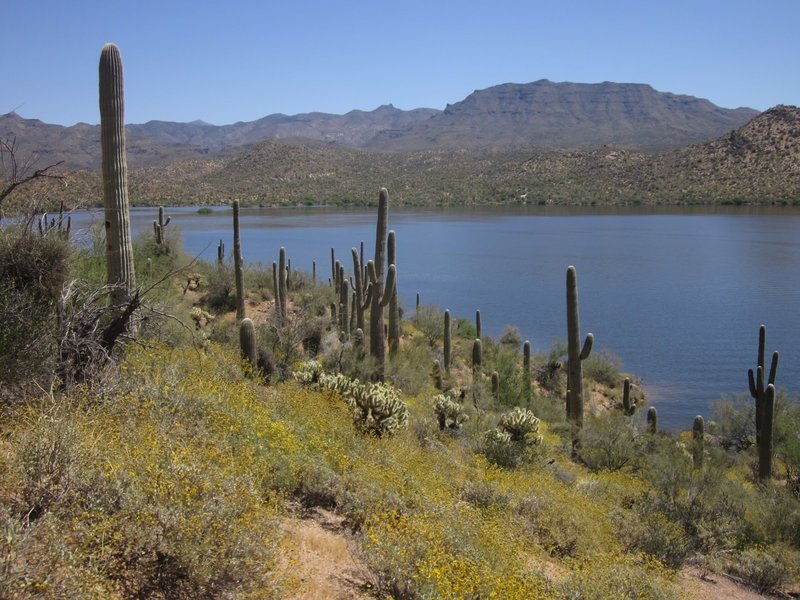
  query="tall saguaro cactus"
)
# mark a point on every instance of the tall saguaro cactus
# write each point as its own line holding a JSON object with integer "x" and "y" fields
{"x": 160, "y": 225}
{"x": 526, "y": 372}
{"x": 448, "y": 341}
{"x": 575, "y": 355}
{"x": 758, "y": 386}
{"x": 376, "y": 335}
{"x": 119, "y": 249}
{"x": 394, "y": 307}
{"x": 698, "y": 442}
{"x": 363, "y": 291}
{"x": 237, "y": 263}
{"x": 765, "y": 441}
{"x": 247, "y": 342}
{"x": 282, "y": 291}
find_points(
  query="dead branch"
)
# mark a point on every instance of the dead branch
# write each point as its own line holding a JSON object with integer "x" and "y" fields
{"x": 16, "y": 174}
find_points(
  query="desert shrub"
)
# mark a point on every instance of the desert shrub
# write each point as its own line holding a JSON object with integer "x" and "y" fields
{"x": 408, "y": 369}
{"x": 462, "y": 329}
{"x": 430, "y": 321}
{"x": 507, "y": 361}
{"x": 285, "y": 340}
{"x": 620, "y": 578}
{"x": 485, "y": 495}
{"x": 655, "y": 534}
{"x": 609, "y": 442}
{"x": 761, "y": 568}
{"x": 603, "y": 367}
{"x": 218, "y": 287}
{"x": 510, "y": 337}
{"x": 709, "y": 506}
{"x": 734, "y": 422}
{"x": 33, "y": 270}
{"x": 548, "y": 369}
{"x": 787, "y": 443}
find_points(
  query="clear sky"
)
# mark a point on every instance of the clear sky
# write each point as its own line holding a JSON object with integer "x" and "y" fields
{"x": 228, "y": 61}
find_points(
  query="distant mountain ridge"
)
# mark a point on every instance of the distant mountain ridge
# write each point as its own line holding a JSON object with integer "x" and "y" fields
{"x": 758, "y": 163}
{"x": 540, "y": 114}
{"x": 562, "y": 115}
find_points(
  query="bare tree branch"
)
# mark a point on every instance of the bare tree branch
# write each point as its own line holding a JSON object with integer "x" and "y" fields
{"x": 16, "y": 174}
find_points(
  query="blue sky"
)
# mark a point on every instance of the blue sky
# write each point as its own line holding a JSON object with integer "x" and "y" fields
{"x": 241, "y": 60}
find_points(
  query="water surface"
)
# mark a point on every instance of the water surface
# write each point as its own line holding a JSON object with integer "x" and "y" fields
{"x": 677, "y": 294}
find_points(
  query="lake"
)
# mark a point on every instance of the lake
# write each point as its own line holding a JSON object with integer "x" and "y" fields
{"x": 677, "y": 294}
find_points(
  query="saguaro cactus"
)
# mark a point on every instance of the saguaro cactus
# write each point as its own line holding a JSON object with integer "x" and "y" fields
{"x": 448, "y": 341}
{"x": 282, "y": 291}
{"x": 496, "y": 386}
{"x": 362, "y": 290}
{"x": 575, "y": 354}
{"x": 344, "y": 312}
{"x": 394, "y": 307}
{"x": 526, "y": 372}
{"x": 765, "y": 441}
{"x": 436, "y": 372}
{"x": 477, "y": 359}
{"x": 119, "y": 249}
{"x": 247, "y": 342}
{"x": 627, "y": 407}
{"x": 652, "y": 420}
{"x": 376, "y": 334}
{"x": 159, "y": 225}
{"x": 698, "y": 442}
{"x": 237, "y": 263}
{"x": 478, "y": 323}
{"x": 756, "y": 380}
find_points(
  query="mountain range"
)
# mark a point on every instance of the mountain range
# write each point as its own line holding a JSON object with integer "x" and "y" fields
{"x": 541, "y": 114}
{"x": 543, "y": 142}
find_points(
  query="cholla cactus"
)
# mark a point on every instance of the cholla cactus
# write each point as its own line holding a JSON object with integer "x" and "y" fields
{"x": 497, "y": 437}
{"x": 521, "y": 425}
{"x": 377, "y": 409}
{"x": 338, "y": 383}
{"x": 449, "y": 413}
{"x": 309, "y": 373}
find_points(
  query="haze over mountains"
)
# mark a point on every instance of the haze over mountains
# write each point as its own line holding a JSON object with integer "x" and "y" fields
{"x": 541, "y": 114}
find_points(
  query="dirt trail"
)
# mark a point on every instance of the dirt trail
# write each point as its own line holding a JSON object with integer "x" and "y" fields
{"x": 319, "y": 561}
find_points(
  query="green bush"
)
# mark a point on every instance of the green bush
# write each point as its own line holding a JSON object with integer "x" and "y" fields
{"x": 765, "y": 571}
{"x": 33, "y": 270}
{"x": 609, "y": 442}
{"x": 603, "y": 367}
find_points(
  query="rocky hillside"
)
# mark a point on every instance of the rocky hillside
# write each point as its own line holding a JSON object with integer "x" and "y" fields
{"x": 542, "y": 114}
{"x": 352, "y": 129}
{"x": 757, "y": 163}
{"x": 568, "y": 115}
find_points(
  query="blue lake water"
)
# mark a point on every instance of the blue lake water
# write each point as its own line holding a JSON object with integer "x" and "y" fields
{"x": 678, "y": 295}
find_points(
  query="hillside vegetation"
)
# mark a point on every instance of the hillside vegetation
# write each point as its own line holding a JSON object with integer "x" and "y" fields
{"x": 756, "y": 164}
{"x": 164, "y": 468}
